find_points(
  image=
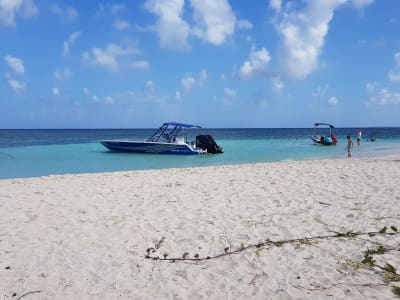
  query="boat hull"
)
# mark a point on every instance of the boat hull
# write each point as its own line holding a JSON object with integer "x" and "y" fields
{"x": 150, "y": 147}
{"x": 317, "y": 140}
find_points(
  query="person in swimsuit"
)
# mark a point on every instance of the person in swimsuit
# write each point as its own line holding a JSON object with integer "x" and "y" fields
{"x": 349, "y": 146}
{"x": 359, "y": 137}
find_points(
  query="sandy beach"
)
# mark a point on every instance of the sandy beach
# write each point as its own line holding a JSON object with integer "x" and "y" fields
{"x": 285, "y": 230}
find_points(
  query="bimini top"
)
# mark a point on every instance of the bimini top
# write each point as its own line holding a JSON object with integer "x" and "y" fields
{"x": 330, "y": 125}
{"x": 181, "y": 125}
{"x": 169, "y": 131}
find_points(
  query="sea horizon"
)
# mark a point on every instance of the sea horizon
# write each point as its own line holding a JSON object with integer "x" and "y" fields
{"x": 41, "y": 152}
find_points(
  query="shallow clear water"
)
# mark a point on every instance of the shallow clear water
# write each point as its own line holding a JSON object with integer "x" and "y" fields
{"x": 27, "y": 153}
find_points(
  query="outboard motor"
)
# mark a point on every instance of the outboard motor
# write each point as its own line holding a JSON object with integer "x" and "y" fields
{"x": 208, "y": 143}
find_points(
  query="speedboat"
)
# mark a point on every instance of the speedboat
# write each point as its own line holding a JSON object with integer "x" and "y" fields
{"x": 326, "y": 139}
{"x": 168, "y": 139}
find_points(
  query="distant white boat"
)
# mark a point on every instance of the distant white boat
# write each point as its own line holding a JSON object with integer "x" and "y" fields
{"x": 168, "y": 139}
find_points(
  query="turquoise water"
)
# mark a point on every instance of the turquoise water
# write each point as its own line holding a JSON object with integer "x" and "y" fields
{"x": 37, "y": 156}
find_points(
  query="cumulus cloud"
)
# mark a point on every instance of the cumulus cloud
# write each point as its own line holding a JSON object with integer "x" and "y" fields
{"x": 66, "y": 14}
{"x": 303, "y": 34}
{"x": 380, "y": 96}
{"x": 121, "y": 25}
{"x": 16, "y": 68}
{"x": 189, "y": 81}
{"x": 171, "y": 28}
{"x": 15, "y": 64}
{"x": 112, "y": 58}
{"x": 11, "y": 9}
{"x": 150, "y": 85}
{"x": 71, "y": 40}
{"x": 394, "y": 75}
{"x": 256, "y": 65}
{"x": 277, "y": 83}
{"x": 15, "y": 85}
{"x": 177, "y": 95}
{"x": 106, "y": 100}
{"x": 55, "y": 92}
{"x": 215, "y": 20}
{"x": 139, "y": 65}
{"x": 320, "y": 91}
{"x": 62, "y": 74}
{"x": 230, "y": 93}
{"x": 333, "y": 101}
{"x": 276, "y": 5}
{"x": 110, "y": 10}
{"x": 360, "y": 4}
{"x": 244, "y": 24}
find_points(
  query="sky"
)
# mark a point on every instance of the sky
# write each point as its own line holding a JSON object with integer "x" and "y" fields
{"x": 214, "y": 63}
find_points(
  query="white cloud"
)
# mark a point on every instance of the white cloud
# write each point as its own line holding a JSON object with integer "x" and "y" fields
{"x": 172, "y": 30}
{"x": 139, "y": 65}
{"x": 106, "y": 100}
{"x": 110, "y": 9}
{"x": 202, "y": 77}
{"x": 394, "y": 75}
{"x": 381, "y": 96}
{"x": 256, "y": 65}
{"x": 121, "y": 25}
{"x": 177, "y": 95}
{"x": 371, "y": 86}
{"x": 244, "y": 24}
{"x": 333, "y": 101}
{"x": 230, "y": 93}
{"x": 16, "y": 86}
{"x": 397, "y": 59}
{"x": 303, "y": 33}
{"x": 86, "y": 92}
{"x": 55, "y": 92}
{"x": 188, "y": 82}
{"x": 320, "y": 91}
{"x": 66, "y": 14}
{"x": 110, "y": 57}
{"x": 215, "y": 20}
{"x": 276, "y": 5}
{"x": 15, "y": 64}
{"x": 71, "y": 40}
{"x": 277, "y": 84}
{"x": 149, "y": 85}
{"x": 360, "y": 4}
{"x": 11, "y": 9}
{"x": 62, "y": 74}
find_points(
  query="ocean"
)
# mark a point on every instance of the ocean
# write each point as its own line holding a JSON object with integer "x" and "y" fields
{"x": 40, "y": 152}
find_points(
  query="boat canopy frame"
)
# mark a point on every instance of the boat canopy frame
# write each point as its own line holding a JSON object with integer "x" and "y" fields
{"x": 324, "y": 124}
{"x": 168, "y": 131}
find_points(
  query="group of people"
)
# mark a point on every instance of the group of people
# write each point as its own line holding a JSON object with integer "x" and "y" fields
{"x": 350, "y": 142}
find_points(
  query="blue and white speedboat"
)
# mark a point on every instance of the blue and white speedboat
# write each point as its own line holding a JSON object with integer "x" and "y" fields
{"x": 168, "y": 139}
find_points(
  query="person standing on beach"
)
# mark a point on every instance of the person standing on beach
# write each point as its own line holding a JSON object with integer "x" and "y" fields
{"x": 359, "y": 137}
{"x": 349, "y": 146}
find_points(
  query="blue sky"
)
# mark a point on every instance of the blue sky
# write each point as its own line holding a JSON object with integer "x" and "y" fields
{"x": 216, "y": 63}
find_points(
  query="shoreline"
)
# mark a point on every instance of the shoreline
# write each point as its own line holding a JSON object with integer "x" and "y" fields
{"x": 87, "y": 235}
{"x": 391, "y": 154}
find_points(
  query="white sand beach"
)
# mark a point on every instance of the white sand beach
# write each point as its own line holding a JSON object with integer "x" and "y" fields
{"x": 86, "y": 236}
